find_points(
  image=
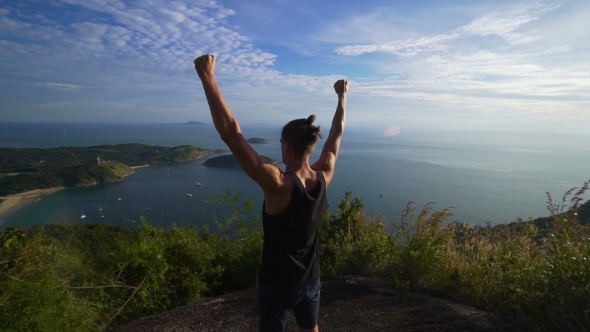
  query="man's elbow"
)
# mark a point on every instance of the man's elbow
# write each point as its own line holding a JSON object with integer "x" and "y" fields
{"x": 228, "y": 131}
{"x": 231, "y": 138}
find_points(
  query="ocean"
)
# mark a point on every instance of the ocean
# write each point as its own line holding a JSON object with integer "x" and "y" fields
{"x": 489, "y": 177}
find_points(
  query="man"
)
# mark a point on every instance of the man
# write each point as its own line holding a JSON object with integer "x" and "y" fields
{"x": 294, "y": 205}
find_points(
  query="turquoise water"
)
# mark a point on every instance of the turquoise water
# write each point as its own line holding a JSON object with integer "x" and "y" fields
{"x": 488, "y": 176}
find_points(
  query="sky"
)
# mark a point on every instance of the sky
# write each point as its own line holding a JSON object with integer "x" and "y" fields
{"x": 464, "y": 65}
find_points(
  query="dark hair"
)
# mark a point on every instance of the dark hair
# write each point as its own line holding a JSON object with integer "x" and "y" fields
{"x": 302, "y": 135}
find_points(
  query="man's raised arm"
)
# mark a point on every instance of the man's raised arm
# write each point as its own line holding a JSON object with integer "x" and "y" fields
{"x": 266, "y": 175}
{"x": 327, "y": 160}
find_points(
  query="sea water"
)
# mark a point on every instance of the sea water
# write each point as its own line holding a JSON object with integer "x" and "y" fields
{"x": 490, "y": 177}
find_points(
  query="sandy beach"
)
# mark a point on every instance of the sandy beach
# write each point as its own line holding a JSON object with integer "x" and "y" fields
{"x": 12, "y": 203}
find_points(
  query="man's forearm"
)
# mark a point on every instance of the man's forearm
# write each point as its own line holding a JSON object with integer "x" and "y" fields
{"x": 223, "y": 119}
{"x": 339, "y": 116}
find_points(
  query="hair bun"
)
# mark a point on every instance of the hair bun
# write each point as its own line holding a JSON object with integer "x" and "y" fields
{"x": 310, "y": 120}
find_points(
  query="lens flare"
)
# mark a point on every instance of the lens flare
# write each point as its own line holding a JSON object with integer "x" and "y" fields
{"x": 392, "y": 131}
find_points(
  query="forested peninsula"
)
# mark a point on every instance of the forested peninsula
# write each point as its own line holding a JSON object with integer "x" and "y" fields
{"x": 24, "y": 169}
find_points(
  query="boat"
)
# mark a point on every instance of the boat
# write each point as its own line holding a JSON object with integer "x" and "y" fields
{"x": 198, "y": 184}
{"x": 82, "y": 215}
{"x": 118, "y": 198}
{"x": 99, "y": 208}
{"x": 101, "y": 215}
{"x": 148, "y": 209}
{"x": 189, "y": 195}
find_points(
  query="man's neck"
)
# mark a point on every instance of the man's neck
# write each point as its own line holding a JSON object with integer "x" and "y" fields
{"x": 298, "y": 165}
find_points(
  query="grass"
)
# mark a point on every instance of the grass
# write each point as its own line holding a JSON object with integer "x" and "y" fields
{"x": 90, "y": 278}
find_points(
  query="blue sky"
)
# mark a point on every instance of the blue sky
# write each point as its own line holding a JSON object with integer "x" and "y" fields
{"x": 477, "y": 65}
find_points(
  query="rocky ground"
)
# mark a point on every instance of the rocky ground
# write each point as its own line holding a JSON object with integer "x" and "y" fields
{"x": 348, "y": 303}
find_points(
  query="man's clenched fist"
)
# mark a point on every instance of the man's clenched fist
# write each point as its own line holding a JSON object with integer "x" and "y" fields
{"x": 205, "y": 65}
{"x": 341, "y": 87}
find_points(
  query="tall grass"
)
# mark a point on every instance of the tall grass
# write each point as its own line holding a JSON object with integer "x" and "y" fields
{"x": 90, "y": 278}
{"x": 538, "y": 279}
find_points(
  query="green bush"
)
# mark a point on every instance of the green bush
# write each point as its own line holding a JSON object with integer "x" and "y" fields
{"x": 34, "y": 273}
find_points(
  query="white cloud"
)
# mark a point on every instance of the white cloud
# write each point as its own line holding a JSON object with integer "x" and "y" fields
{"x": 497, "y": 23}
{"x": 503, "y": 22}
{"x": 62, "y": 86}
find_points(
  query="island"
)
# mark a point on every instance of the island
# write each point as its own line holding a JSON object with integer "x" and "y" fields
{"x": 231, "y": 161}
{"x": 192, "y": 123}
{"x": 257, "y": 140}
{"x": 25, "y": 169}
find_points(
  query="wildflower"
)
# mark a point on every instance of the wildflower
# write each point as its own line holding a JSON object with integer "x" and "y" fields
{"x": 552, "y": 234}
{"x": 573, "y": 257}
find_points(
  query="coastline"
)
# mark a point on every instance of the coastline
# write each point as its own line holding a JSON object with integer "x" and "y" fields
{"x": 13, "y": 203}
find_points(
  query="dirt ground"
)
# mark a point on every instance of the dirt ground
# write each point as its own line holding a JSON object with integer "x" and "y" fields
{"x": 348, "y": 303}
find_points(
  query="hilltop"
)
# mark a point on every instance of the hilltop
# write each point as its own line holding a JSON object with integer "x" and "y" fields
{"x": 348, "y": 303}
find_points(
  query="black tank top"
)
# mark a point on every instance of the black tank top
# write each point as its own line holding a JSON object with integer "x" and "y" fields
{"x": 290, "y": 256}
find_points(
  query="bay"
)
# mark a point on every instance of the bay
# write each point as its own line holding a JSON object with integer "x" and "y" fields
{"x": 488, "y": 176}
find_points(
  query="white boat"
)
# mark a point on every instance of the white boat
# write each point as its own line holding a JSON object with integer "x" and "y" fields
{"x": 189, "y": 195}
{"x": 101, "y": 215}
{"x": 99, "y": 208}
{"x": 118, "y": 198}
{"x": 82, "y": 215}
{"x": 148, "y": 209}
{"x": 198, "y": 184}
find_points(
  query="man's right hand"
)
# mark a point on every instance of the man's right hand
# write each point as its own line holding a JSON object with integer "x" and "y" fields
{"x": 341, "y": 87}
{"x": 205, "y": 66}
